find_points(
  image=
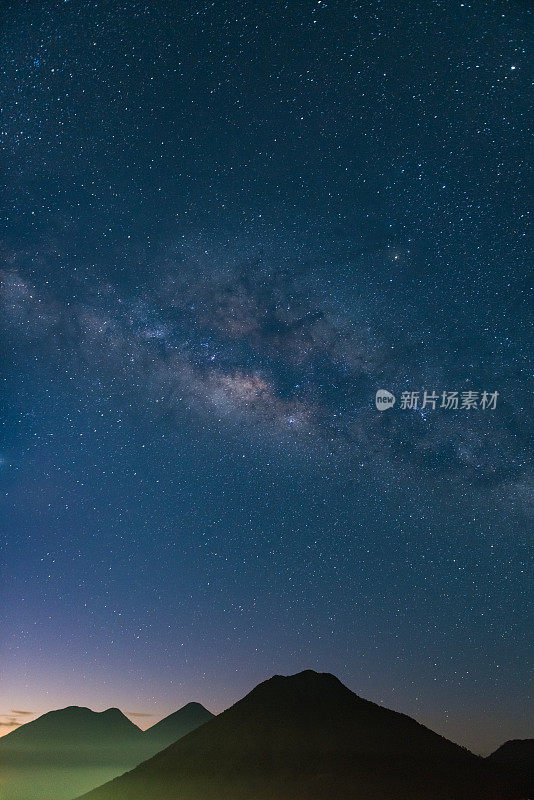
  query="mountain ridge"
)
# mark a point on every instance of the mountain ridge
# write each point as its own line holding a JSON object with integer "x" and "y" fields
{"x": 68, "y": 751}
{"x": 309, "y": 737}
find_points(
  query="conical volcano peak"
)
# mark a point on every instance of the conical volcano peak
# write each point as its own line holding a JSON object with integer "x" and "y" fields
{"x": 306, "y": 688}
{"x": 176, "y": 725}
{"x": 193, "y": 706}
{"x": 309, "y": 677}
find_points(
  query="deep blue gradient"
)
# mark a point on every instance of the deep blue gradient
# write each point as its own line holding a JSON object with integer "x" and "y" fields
{"x": 226, "y": 226}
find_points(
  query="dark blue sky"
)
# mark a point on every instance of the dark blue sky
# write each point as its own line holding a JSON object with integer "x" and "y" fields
{"x": 226, "y": 226}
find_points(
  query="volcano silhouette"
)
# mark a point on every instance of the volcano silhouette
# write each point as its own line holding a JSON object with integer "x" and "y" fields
{"x": 308, "y": 737}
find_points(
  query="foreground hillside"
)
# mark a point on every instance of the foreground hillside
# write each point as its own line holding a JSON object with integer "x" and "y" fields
{"x": 516, "y": 757}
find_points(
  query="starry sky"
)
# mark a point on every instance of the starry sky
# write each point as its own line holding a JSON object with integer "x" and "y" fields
{"x": 225, "y": 226}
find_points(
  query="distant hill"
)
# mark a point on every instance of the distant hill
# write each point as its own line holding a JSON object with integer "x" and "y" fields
{"x": 308, "y": 737}
{"x": 175, "y": 726}
{"x": 67, "y": 751}
{"x": 64, "y": 753}
{"x": 517, "y": 758}
{"x": 73, "y": 734}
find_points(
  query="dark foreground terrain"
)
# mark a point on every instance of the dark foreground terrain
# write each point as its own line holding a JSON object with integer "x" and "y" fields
{"x": 516, "y": 757}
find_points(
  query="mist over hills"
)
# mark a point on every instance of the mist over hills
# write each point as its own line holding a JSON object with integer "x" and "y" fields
{"x": 69, "y": 751}
{"x": 308, "y": 737}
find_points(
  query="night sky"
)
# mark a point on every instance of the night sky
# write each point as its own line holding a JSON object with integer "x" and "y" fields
{"x": 225, "y": 226}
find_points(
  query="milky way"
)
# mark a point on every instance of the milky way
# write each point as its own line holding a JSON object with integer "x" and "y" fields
{"x": 272, "y": 345}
